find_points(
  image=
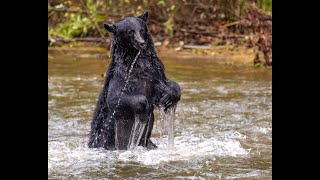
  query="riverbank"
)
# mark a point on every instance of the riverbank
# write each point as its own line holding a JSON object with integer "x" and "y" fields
{"x": 230, "y": 54}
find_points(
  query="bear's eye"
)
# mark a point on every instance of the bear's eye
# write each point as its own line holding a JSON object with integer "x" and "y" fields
{"x": 142, "y": 31}
{"x": 130, "y": 31}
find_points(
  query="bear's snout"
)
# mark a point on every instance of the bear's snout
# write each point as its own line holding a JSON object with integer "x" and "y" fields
{"x": 142, "y": 45}
{"x": 140, "y": 42}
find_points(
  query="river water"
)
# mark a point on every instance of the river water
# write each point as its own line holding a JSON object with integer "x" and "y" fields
{"x": 222, "y": 127}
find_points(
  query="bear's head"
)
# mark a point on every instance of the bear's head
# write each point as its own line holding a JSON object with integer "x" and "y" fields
{"x": 131, "y": 31}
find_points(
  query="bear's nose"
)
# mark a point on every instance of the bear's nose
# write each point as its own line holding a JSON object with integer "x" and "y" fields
{"x": 142, "y": 44}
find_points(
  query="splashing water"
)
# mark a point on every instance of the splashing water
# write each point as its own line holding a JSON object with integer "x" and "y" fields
{"x": 122, "y": 91}
{"x": 160, "y": 123}
{"x": 166, "y": 124}
{"x": 136, "y": 133}
{"x": 169, "y": 116}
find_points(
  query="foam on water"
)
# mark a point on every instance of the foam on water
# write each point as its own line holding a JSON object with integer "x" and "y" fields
{"x": 186, "y": 151}
{"x": 64, "y": 155}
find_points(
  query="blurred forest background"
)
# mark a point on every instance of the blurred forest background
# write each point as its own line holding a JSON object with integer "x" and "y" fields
{"x": 179, "y": 24}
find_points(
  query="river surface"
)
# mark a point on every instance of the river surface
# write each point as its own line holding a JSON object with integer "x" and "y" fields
{"x": 222, "y": 127}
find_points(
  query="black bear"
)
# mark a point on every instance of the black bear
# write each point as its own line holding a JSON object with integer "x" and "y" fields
{"x": 131, "y": 93}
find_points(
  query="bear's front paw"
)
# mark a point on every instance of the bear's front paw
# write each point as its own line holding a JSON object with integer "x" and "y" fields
{"x": 166, "y": 101}
{"x": 175, "y": 90}
{"x": 169, "y": 99}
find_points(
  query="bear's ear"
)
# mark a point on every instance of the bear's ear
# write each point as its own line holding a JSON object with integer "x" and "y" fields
{"x": 110, "y": 27}
{"x": 144, "y": 16}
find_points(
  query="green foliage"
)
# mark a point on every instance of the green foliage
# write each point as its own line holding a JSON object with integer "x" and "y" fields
{"x": 169, "y": 24}
{"x": 93, "y": 10}
{"x": 169, "y": 15}
{"x": 76, "y": 26}
{"x": 258, "y": 65}
{"x": 161, "y": 3}
{"x": 267, "y": 6}
{"x": 79, "y": 24}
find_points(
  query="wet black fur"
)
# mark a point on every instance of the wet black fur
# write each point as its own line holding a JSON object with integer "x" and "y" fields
{"x": 148, "y": 86}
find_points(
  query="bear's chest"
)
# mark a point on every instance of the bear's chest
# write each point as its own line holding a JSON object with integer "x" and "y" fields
{"x": 141, "y": 78}
{"x": 141, "y": 83}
